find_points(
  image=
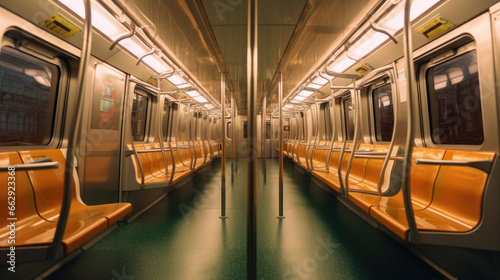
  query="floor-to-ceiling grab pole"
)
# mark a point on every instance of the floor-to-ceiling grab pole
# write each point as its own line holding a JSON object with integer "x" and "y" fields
{"x": 264, "y": 137}
{"x": 410, "y": 88}
{"x": 223, "y": 156}
{"x": 57, "y": 242}
{"x": 280, "y": 105}
{"x": 252, "y": 55}
{"x": 235, "y": 137}
{"x": 233, "y": 140}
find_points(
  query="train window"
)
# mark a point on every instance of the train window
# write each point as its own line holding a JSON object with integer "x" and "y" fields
{"x": 454, "y": 101}
{"x": 383, "y": 112}
{"x": 28, "y": 89}
{"x": 229, "y": 130}
{"x": 268, "y": 130}
{"x": 303, "y": 126}
{"x": 139, "y": 115}
{"x": 245, "y": 132}
{"x": 348, "y": 118}
{"x": 325, "y": 107}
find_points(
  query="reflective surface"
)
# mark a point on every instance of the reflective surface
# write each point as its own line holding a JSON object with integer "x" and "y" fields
{"x": 182, "y": 237}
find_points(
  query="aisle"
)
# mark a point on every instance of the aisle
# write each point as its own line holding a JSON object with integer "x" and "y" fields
{"x": 182, "y": 237}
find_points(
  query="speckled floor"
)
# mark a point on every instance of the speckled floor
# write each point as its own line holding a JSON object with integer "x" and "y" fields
{"x": 182, "y": 237}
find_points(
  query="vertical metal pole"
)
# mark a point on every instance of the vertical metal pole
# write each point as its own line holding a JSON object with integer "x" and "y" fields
{"x": 410, "y": 88}
{"x": 233, "y": 140}
{"x": 252, "y": 141}
{"x": 223, "y": 156}
{"x": 264, "y": 138}
{"x": 57, "y": 245}
{"x": 280, "y": 105}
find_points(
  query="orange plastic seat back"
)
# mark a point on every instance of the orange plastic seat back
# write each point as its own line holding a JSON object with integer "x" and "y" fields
{"x": 374, "y": 166}
{"x": 423, "y": 177}
{"x": 459, "y": 190}
{"x": 358, "y": 165}
{"x": 22, "y": 194}
{"x": 48, "y": 185}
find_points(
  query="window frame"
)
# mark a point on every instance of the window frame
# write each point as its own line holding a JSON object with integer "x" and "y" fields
{"x": 344, "y": 116}
{"x": 59, "y": 102}
{"x": 138, "y": 90}
{"x": 383, "y": 81}
{"x": 426, "y": 117}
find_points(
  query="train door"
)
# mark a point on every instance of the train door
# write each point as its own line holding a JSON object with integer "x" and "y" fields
{"x": 102, "y": 130}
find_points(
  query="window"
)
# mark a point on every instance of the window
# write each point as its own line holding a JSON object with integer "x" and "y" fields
{"x": 139, "y": 115}
{"x": 327, "y": 121}
{"x": 268, "y": 130}
{"x": 454, "y": 101}
{"x": 303, "y": 126}
{"x": 166, "y": 119}
{"x": 28, "y": 89}
{"x": 245, "y": 132}
{"x": 229, "y": 130}
{"x": 383, "y": 112}
{"x": 348, "y": 118}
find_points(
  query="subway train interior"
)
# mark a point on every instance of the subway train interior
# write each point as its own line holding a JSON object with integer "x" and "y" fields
{"x": 247, "y": 139}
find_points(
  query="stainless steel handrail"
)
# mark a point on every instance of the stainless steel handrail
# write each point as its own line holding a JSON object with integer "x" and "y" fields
{"x": 357, "y": 112}
{"x": 162, "y": 146}
{"x": 169, "y": 141}
{"x": 57, "y": 244}
{"x": 379, "y": 157}
{"x": 392, "y": 72}
{"x": 410, "y": 70}
{"x": 31, "y": 166}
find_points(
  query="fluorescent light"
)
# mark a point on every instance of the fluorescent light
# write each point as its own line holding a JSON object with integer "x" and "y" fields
{"x": 320, "y": 81}
{"x": 101, "y": 19}
{"x": 440, "y": 82}
{"x": 177, "y": 80}
{"x": 155, "y": 62}
{"x": 135, "y": 46}
{"x": 305, "y": 93}
{"x": 315, "y": 86}
{"x": 209, "y": 106}
{"x": 341, "y": 63}
{"x": 299, "y": 98}
{"x": 184, "y": 86}
{"x": 200, "y": 99}
{"x": 456, "y": 75}
{"x": 288, "y": 106}
{"x": 394, "y": 20}
{"x": 370, "y": 41}
{"x": 193, "y": 93}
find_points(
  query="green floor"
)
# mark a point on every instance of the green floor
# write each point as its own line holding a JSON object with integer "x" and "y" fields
{"x": 182, "y": 237}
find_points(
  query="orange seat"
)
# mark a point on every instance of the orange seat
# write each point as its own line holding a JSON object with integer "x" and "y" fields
{"x": 356, "y": 175}
{"x": 456, "y": 201}
{"x": 30, "y": 227}
{"x": 84, "y": 221}
{"x": 422, "y": 180}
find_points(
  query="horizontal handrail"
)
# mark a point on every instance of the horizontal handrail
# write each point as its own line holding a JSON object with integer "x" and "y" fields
{"x": 378, "y": 157}
{"x": 31, "y": 166}
{"x": 482, "y": 165}
{"x": 373, "y": 153}
{"x": 148, "y": 151}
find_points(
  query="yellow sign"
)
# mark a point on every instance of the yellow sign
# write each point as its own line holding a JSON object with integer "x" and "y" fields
{"x": 61, "y": 26}
{"x": 153, "y": 81}
{"x": 363, "y": 69}
{"x": 435, "y": 27}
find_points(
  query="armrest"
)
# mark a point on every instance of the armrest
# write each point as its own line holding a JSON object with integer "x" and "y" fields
{"x": 484, "y": 166}
{"x": 32, "y": 166}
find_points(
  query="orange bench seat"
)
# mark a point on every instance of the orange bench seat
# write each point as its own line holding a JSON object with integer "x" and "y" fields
{"x": 455, "y": 199}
